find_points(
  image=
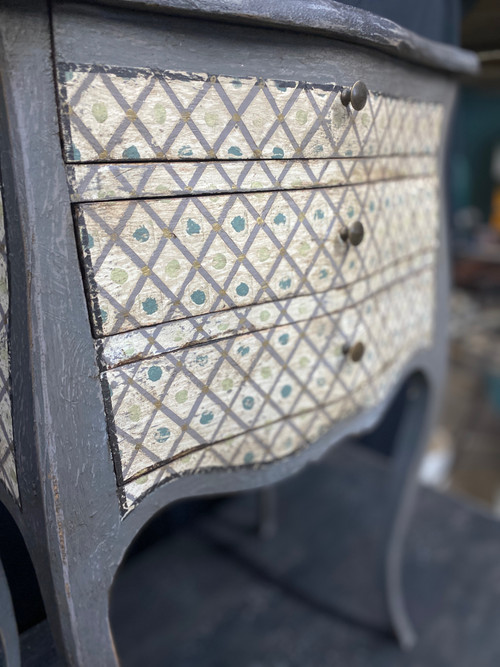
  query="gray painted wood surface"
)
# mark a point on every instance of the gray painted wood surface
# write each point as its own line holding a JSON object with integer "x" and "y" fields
{"x": 71, "y": 517}
{"x": 325, "y": 17}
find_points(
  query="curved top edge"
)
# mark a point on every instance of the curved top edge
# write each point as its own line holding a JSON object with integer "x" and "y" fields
{"x": 326, "y": 17}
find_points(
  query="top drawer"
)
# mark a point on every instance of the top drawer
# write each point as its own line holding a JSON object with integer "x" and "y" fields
{"x": 130, "y": 114}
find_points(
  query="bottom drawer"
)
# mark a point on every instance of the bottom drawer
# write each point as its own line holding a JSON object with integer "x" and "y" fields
{"x": 256, "y": 397}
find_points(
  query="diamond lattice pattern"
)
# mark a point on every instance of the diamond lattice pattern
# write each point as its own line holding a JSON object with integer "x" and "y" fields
{"x": 256, "y": 397}
{"x": 100, "y": 182}
{"x": 153, "y": 261}
{"x": 135, "y": 114}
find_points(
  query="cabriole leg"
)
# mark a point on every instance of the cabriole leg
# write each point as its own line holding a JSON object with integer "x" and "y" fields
{"x": 9, "y": 638}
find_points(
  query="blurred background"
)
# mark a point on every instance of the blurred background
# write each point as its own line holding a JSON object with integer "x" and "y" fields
{"x": 464, "y": 454}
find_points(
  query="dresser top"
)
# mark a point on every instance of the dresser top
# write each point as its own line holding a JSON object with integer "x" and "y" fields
{"x": 325, "y": 17}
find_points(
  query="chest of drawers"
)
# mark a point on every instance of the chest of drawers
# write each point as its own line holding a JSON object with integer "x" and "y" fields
{"x": 227, "y": 252}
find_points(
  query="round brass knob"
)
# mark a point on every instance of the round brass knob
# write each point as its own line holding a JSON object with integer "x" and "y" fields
{"x": 354, "y": 233}
{"x": 355, "y": 351}
{"x": 356, "y": 96}
{"x": 345, "y": 96}
{"x": 359, "y": 95}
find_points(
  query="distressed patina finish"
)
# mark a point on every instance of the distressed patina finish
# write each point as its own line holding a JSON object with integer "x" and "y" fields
{"x": 8, "y": 473}
{"x": 113, "y": 114}
{"x": 175, "y": 192}
{"x": 286, "y": 265}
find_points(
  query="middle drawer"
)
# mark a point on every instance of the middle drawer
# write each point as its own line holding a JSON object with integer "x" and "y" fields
{"x": 151, "y": 261}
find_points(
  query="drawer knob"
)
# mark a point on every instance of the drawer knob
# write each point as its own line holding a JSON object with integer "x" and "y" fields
{"x": 354, "y": 233}
{"x": 355, "y": 351}
{"x": 356, "y": 96}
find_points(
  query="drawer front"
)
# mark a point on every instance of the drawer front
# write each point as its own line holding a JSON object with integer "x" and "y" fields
{"x": 153, "y": 261}
{"x": 151, "y": 341}
{"x": 211, "y": 214}
{"x": 101, "y": 182}
{"x": 257, "y": 397}
{"x": 117, "y": 114}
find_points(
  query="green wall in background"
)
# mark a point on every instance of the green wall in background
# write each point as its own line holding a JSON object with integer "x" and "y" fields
{"x": 476, "y": 133}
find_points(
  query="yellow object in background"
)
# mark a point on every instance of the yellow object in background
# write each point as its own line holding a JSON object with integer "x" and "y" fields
{"x": 495, "y": 195}
{"x": 495, "y": 208}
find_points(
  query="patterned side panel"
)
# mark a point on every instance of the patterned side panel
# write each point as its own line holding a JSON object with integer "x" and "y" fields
{"x": 152, "y": 261}
{"x": 111, "y": 114}
{"x": 258, "y": 397}
{"x": 98, "y": 182}
{"x": 8, "y": 474}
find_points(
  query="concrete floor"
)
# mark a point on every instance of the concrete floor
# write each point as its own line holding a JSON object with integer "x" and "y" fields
{"x": 212, "y": 594}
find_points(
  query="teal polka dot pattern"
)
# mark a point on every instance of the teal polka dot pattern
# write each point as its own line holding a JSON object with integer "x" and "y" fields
{"x": 222, "y": 312}
{"x": 240, "y": 249}
{"x": 150, "y": 306}
{"x": 206, "y": 417}
{"x": 238, "y": 223}
{"x": 198, "y": 297}
{"x": 231, "y": 121}
{"x": 266, "y": 393}
{"x": 155, "y": 373}
{"x": 131, "y": 153}
{"x": 162, "y": 435}
{"x": 185, "y": 152}
{"x": 141, "y": 234}
{"x": 192, "y": 227}
{"x": 242, "y": 289}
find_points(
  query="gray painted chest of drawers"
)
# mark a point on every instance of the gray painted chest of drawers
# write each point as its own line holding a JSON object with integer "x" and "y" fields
{"x": 223, "y": 251}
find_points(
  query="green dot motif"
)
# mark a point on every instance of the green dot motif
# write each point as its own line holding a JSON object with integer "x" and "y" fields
{"x": 181, "y": 396}
{"x": 119, "y": 276}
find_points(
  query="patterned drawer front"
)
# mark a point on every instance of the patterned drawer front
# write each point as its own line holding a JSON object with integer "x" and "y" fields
{"x": 256, "y": 397}
{"x": 224, "y": 297}
{"x": 111, "y": 114}
{"x": 153, "y": 261}
{"x": 99, "y": 182}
